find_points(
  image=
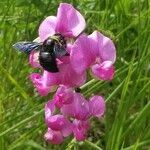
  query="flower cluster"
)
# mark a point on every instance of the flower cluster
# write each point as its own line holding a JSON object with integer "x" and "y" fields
{"x": 94, "y": 51}
{"x": 73, "y": 114}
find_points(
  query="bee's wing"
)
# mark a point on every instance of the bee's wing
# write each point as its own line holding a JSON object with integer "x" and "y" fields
{"x": 59, "y": 50}
{"x": 27, "y": 47}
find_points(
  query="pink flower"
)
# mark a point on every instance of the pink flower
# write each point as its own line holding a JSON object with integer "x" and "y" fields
{"x": 66, "y": 76}
{"x": 68, "y": 22}
{"x": 78, "y": 109}
{"x": 58, "y": 126}
{"x": 72, "y": 116}
{"x": 95, "y": 50}
{"x": 59, "y": 123}
{"x": 44, "y": 83}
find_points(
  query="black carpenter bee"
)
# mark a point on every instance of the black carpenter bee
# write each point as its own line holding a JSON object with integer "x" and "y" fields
{"x": 53, "y": 47}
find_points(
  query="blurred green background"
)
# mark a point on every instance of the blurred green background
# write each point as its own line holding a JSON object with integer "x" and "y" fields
{"x": 126, "y": 124}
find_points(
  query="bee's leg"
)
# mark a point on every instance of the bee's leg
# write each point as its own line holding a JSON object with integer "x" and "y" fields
{"x": 78, "y": 90}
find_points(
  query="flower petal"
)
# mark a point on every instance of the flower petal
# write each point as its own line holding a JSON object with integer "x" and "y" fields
{"x": 59, "y": 123}
{"x": 41, "y": 87}
{"x": 49, "y": 110}
{"x": 82, "y": 54}
{"x": 47, "y": 28}
{"x": 54, "y": 137}
{"x": 68, "y": 76}
{"x": 97, "y": 106}
{"x": 70, "y": 22}
{"x": 56, "y": 122}
{"x": 44, "y": 83}
{"x": 106, "y": 47}
{"x": 64, "y": 95}
{"x": 104, "y": 71}
{"x": 78, "y": 109}
{"x": 80, "y": 129}
{"x": 33, "y": 59}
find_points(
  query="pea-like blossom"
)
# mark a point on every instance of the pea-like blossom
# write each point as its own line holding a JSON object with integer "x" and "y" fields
{"x": 79, "y": 108}
{"x": 66, "y": 76}
{"x": 72, "y": 116}
{"x": 96, "y": 51}
{"x": 59, "y": 127}
{"x": 69, "y": 23}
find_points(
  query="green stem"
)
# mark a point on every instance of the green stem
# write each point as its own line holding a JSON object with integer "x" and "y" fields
{"x": 92, "y": 145}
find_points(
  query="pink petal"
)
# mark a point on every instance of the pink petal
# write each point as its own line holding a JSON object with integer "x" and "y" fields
{"x": 43, "y": 83}
{"x": 97, "y": 106}
{"x": 54, "y": 137}
{"x": 49, "y": 110}
{"x": 82, "y": 54}
{"x": 80, "y": 129}
{"x": 66, "y": 131}
{"x": 68, "y": 76}
{"x": 59, "y": 123}
{"x": 70, "y": 22}
{"x": 41, "y": 87}
{"x": 104, "y": 71}
{"x": 106, "y": 47}
{"x": 47, "y": 28}
{"x": 67, "y": 110}
{"x": 33, "y": 59}
{"x": 81, "y": 107}
{"x": 78, "y": 109}
{"x": 56, "y": 122}
{"x": 64, "y": 95}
